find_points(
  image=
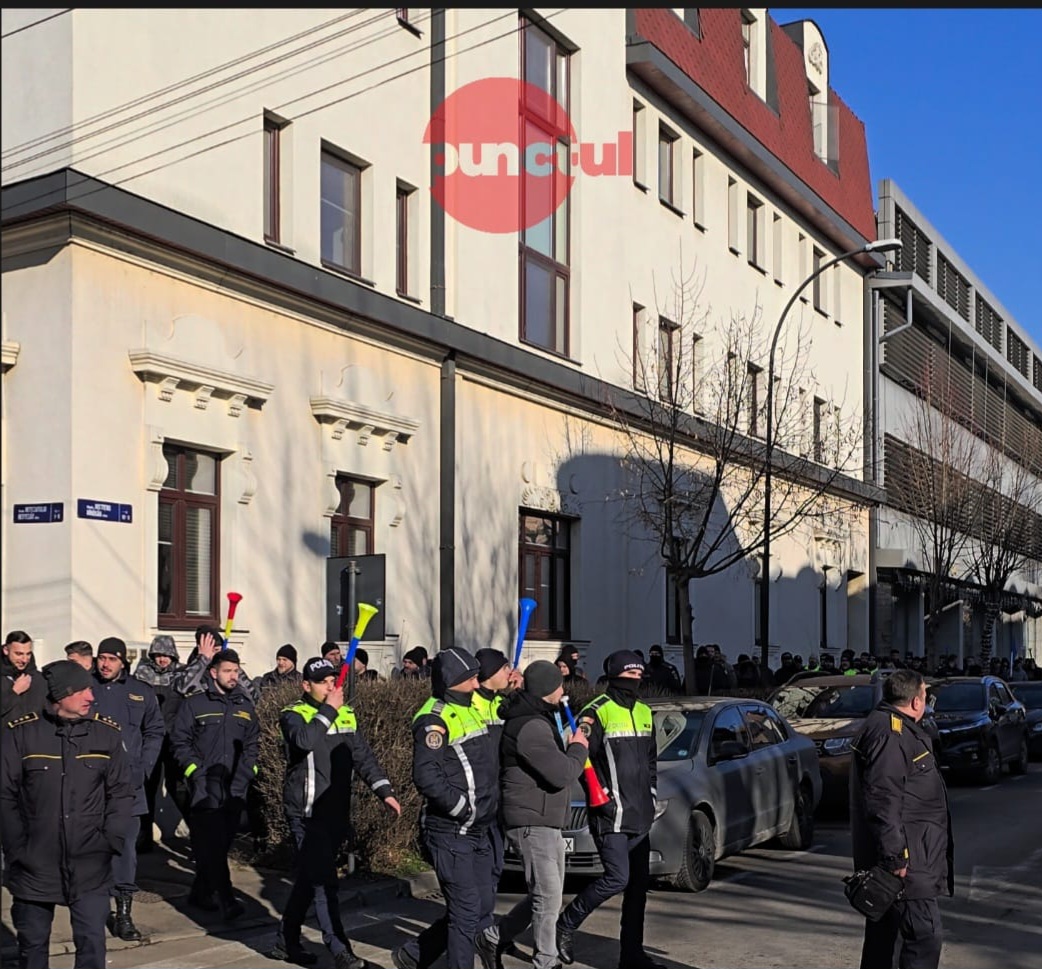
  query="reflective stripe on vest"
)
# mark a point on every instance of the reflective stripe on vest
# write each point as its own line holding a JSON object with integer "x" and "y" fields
{"x": 345, "y": 722}
{"x": 462, "y": 724}
{"x": 618, "y": 723}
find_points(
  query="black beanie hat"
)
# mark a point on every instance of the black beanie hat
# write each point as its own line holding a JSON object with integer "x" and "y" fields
{"x": 114, "y": 647}
{"x": 490, "y": 662}
{"x": 288, "y": 652}
{"x": 362, "y": 656}
{"x": 64, "y": 677}
{"x": 452, "y": 667}
{"x": 624, "y": 659}
{"x": 542, "y": 678}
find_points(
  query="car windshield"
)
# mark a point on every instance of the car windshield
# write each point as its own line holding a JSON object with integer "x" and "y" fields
{"x": 954, "y": 697}
{"x": 832, "y": 702}
{"x": 677, "y": 732}
{"x": 1030, "y": 694}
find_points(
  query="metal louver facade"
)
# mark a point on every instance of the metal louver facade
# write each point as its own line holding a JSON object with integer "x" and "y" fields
{"x": 915, "y": 247}
{"x": 1017, "y": 351}
{"x": 989, "y": 323}
{"x": 952, "y": 287}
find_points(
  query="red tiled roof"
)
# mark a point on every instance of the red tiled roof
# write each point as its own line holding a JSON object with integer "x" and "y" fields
{"x": 717, "y": 64}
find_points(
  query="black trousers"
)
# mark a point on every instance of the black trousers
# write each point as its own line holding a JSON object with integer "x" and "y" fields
{"x": 625, "y": 859}
{"x": 464, "y": 868}
{"x": 918, "y": 923}
{"x": 32, "y": 921}
{"x": 317, "y": 848}
{"x": 124, "y": 865}
{"x": 213, "y": 830}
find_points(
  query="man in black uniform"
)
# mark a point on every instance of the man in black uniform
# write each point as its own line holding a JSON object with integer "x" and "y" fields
{"x": 899, "y": 821}
{"x": 323, "y": 747}
{"x": 454, "y": 768}
{"x": 215, "y": 740}
{"x": 22, "y": 689}
{"x": 66, "y": 797}
{"x": 621, "y": 732}
{"x": 133, "y": 705}
{"x": 661, "y": 674}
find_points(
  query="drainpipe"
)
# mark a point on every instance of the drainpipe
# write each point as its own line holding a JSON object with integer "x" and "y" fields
{"x": 447, "y": 506}
{"x": 871, "y": 404}
{"x": 436, "y": 170}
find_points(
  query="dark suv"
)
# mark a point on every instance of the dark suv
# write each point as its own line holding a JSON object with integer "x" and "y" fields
{"x": 981, "y": 726}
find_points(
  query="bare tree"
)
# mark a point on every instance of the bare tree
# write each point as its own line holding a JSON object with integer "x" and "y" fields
{"x": 693, "y": 429}
{"x": 938, "y": 485}
{"x": 1008, "y": 536}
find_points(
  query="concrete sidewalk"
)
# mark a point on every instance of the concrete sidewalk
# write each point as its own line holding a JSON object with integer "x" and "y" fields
{"x": 162, "y": 913}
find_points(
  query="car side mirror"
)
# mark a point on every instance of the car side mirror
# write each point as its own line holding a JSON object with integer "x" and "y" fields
{"x": 730, "y": 750}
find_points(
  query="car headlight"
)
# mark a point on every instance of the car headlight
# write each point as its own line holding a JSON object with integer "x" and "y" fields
{"x": 660, "y": 808}
{"x": 835, "y": 746}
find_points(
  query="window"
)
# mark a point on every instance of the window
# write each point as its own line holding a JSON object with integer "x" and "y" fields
{"x": 819, "y": 121}
{"x": 544, "y": 272}
{"x": 351, "y": 529}
{"x": 402, "y": 13}
{"x": 819, "y": 430}
{"x": 677, "y": 629}
{"x": 818, "y": 286}
{"x": 765, "y": 729}
{"x": 823, "y": 612}
{"x": 544, "y": 569}
{"x": 755, "y": 242}
{"x": 341, "y": 213}
{"x": 729, "y": 729}
{"x": 402, "y": 262}
{"x": 272, "y": 177}
{"x": 639, "y": 132}
{"x": 698, "y": 181}
{"x": 749, "y": 46}
{"x": 732, "y": 215}
{"x": 778, "y": 247}
{"x": 668, "y": 337}
{"x": 757, "y": 611}
{"x": 754, "y": 400}
{"x": 837, "y": 308}
{"x": 667, "y": 185}
{"x": 189, "y": 527}
{"x": 697, "y": 372}
{"x": 801, "y": 255}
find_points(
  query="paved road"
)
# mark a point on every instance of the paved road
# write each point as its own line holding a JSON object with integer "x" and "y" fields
{"x": 767, "y": 908}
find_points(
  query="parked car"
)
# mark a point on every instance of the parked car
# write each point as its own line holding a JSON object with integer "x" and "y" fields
{"x": 731, "y": 774}
{"x": 829, "y": 710}
{"x": 982, "y": 726}
{"x": 1030, "y": 694}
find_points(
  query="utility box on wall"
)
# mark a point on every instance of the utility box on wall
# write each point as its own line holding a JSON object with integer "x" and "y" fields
{"x": 369, "y": 586}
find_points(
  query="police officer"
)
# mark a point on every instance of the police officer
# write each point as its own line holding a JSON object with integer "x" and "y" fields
{"x": 215, "y": 740}
{"x": 899, "y": 820}
{"x": 323, "y": 747}
{"x": 67, "y": 799}
{"x": 454, "y": 769}
{"x": 621, "y": 732}
{"x": 132, "y": 704}
{"x": 661, "y": 674}
{"x": 193, "y": 678}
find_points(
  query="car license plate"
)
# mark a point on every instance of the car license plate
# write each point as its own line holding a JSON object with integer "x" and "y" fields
{"x": 569, "y": 845}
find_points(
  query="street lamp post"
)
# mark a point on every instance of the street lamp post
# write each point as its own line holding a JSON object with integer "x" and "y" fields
{"x": 882, "y": 245}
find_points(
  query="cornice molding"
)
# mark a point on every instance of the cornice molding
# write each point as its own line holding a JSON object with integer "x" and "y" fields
{"x": 173, "y": 373}
{"x": 342, "y": 414}
{"x": 11, "y": 349}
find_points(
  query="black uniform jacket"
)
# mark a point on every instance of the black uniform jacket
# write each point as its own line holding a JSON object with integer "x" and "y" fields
{"x": 899, "y": 804}
{"x": 133, "y": 705}
{"x": 323, "y": 749}
{"x": 215, "y": 740}
{"x": 14, "y": 705}
{"x": 66, "y": 802}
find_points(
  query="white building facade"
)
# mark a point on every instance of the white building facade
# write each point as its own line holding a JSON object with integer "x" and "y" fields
{"x": 241, "y": 340}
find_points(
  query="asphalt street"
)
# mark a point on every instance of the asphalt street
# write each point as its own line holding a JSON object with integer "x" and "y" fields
{"x": 766, "y": 907}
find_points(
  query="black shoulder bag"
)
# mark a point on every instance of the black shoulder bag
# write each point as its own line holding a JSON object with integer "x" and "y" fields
{"x": 872, "y": 891}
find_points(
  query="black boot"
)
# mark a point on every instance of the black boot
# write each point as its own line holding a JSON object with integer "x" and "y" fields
{"x": 348, "y": 960}
{"x": 564, "y": 945}
{"x": 122, "y": 925}
{"x": 231, "y": 907}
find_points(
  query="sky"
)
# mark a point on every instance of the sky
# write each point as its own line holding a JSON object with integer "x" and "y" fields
{"x": 952, "y": 106}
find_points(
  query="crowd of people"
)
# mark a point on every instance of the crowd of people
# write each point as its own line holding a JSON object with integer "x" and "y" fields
{"x": 88, "y": 741}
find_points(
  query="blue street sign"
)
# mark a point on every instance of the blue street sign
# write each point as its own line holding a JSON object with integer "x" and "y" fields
{"x": 48, "y": 511}
{"x": 104, "y": 511}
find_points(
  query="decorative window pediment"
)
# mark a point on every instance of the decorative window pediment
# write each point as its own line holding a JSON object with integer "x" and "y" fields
{"x": 342, "y": 415}
{"x": 10, "y": 354}
{"x": 171, "y": 374}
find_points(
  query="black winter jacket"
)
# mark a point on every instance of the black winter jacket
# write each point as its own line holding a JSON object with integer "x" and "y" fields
{"x": 162, "y": 683}
{"x": 14, "y": 705}
{"x": 537, "y": 773}
{"x": 133, "y": 705}
{"x": 623, "y": 751}
{"x": 323, "y": 749}
{"x": 66, "y": 801}
{"x": 215, "y": 741}
{"x": 899, "y": 804}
